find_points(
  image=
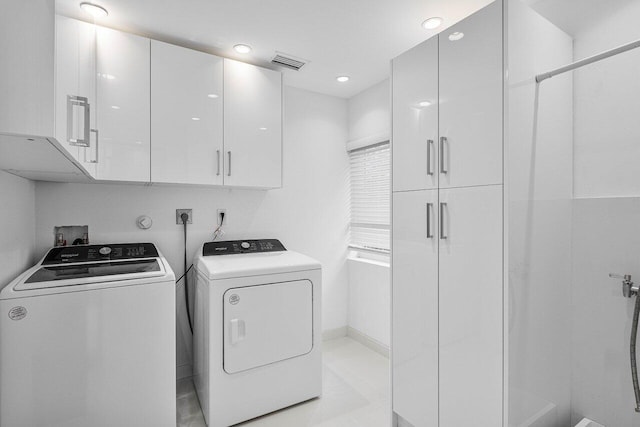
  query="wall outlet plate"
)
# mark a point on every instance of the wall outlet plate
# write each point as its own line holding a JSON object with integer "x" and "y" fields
{"x": 226, "y": 219}
{"x": 179, "y": 213}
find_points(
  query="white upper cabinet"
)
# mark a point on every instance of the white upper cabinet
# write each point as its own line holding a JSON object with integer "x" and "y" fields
{"x": 186, "y": 116}
{"x": 471, "y": 100}
{"x": 123, "y": 91}
{"x": 75, "y": 109}
{"x": 252, "y": 126}
{"x": 415, "y": 118}
{"x": 27, "y": 34}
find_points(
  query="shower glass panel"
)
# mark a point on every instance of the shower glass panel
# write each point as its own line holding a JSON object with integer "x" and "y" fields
{"x": 573, "y": 211}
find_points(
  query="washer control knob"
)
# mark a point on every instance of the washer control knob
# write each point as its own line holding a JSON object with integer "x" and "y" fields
{"x": 245, "y": 245}
{"x": 105, "y": 251}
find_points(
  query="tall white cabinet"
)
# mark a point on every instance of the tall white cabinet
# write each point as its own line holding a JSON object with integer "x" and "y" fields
{"x": 415, "y": 118}
{"x": 470, "y": 306}
{"x": 415, "y": 306}
{"x": 447, "y": 248}
{"x": 471, "y": 95}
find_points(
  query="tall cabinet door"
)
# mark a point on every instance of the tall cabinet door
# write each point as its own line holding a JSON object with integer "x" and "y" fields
{"x": 186, "y": 115}
{"x": 415, "y": 307}
{"x": 415, "y": 118}
{"x": 471, "y": 94}
{"x": 75, "y": 89}
{"x": 123, "y": 69}
{"x": 252, "y": 126}
{"x": 471, "y": 358}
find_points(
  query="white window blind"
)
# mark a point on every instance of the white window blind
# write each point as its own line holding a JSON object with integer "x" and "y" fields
{"x": 370, "y": 197}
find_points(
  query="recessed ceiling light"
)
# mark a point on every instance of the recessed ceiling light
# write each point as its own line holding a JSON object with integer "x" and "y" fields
{"x": 212, "y": 95}
{"x": 263, "y": 128}
{"x": 242, "y": 48}
{"x": 432, "y": 23}
{"x": 94, "y": 9}
{"x": 456, "y": 36}
{"x": 195, "y": 119}
{"x": 115, "y": 107}
{"x": 342, "y": 79}
{"x": 424, "y": 103}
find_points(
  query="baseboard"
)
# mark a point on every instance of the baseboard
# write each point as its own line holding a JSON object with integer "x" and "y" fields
{"x": 184, "y": 371}
{"x": 367, "y": 341}
{"x": 332, "y": 334}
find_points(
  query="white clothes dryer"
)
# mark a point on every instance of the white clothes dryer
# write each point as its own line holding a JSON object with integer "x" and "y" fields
{"x": 257, "y": 330}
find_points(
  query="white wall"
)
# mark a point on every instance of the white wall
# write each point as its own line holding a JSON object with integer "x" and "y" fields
{"x": 370, "y": 112}
{"x": 309, "y": 214}
{"x": 369, "y": 299}
{"x": 370, "y": 282}
{"x": 539, "y": 184}
{"x": 17, "y": 216}
{"x": 607, "y": 133}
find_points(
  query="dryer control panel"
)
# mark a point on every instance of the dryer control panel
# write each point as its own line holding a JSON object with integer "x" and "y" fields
{"x": 230, "y": 247}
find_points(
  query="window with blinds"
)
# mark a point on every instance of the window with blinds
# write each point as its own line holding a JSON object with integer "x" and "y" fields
{"x": 371, "y": 197}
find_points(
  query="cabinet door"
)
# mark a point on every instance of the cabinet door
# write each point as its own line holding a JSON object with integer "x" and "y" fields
{"x": 252, "y": 125}
{"x": 186, "y": 117}
{"x": 75, "y": 110}
{"x": 471, "y": 88}
{"x": 123, "y": 70}
{"x": 415, "y": 307}
{"x": 415, "y": 118}
{"x": 471, "y": 357}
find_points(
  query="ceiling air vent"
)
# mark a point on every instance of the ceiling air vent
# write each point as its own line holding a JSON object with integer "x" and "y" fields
{"x": 288, "y": 61}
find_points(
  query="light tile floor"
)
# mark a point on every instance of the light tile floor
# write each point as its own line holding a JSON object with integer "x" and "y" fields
{"x": 355, "y": 393}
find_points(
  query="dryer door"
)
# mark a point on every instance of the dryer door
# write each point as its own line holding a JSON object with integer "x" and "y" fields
{"x": 267, "y": 323}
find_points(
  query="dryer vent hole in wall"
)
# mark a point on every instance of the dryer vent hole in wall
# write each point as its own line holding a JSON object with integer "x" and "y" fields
{"x": 67, "y": 235}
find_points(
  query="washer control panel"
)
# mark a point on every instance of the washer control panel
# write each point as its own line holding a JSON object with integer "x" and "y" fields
{"x": 91, "y": 253}
{"x": 230, "y": 247}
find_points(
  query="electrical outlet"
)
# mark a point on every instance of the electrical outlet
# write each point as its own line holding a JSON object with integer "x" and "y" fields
{"x": 219, "y": 217}
{"x": 179, "y": 213}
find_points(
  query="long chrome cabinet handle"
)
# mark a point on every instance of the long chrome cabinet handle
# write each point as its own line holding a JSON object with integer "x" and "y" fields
{"x": 229, "y": 170}
{"x": 83, "y": 102}
{"x": 429, "y": 159}
{"x": 443, "y": 163}
{"x": 429, "y": 231}
{"x": 442, "y": 226}
{"x": 218, "y": 162}
{"x": 97, "y": 148}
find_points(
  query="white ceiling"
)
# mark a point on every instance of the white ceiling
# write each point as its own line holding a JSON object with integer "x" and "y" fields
{"x": 575, "y": 16}
{"x": 339, "y": 37}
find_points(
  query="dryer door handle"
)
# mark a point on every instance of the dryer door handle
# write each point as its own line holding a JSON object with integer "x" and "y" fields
{"x": 237, "y": 330}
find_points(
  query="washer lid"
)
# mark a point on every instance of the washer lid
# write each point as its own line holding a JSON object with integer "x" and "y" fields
{"x": 254, "y": 264}
{"x": 90, "y": 267}
{"x": 54, "y": 275}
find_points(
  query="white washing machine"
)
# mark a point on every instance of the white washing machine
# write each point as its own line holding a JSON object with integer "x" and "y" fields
{"x": 87, "y": 338}
{"x": 257, "y": 329}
